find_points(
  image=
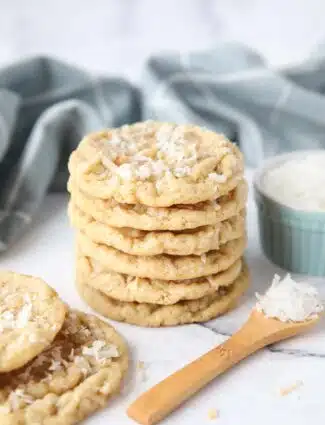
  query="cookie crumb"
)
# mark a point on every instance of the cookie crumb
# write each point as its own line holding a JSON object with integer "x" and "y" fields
{"x": 140, "y": 365}
{"x": 213, "y": 414}
{"x": 291, "y": 388}
{"x": 142, "y": 368}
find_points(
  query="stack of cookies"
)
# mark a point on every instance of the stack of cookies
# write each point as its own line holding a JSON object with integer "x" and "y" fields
{"x": 57, "y": 365}
{"x": 159, "y": 210}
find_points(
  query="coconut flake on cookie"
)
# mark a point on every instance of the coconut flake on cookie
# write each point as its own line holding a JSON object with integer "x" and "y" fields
{"x": 157, "y": 164}
{"x": 174, "y": 153}
{"x": 100, "y": 350}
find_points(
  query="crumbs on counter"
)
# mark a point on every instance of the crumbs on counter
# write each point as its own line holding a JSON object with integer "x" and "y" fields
{"x": 288, "y": 390}
{"x": 213, "y": 414}
{"x": 142, "y": 370}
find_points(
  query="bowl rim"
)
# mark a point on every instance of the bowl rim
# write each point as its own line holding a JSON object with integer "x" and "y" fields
{"x": 273, "y": 162}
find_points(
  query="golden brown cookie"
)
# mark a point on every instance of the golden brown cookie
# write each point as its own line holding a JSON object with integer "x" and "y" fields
{"x": 31, "y": 315}
{"x": 127, "y": 288}
{"x": 177, "y": 217}
{"x": 74, "y": 377}
{"x": 156, "y": 164}
{"x": 164, "y": 267}
{"x": 154, "y": 315}
{"x": 140, "y": 242}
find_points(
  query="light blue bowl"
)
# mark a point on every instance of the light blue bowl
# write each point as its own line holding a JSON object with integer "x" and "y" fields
{"x": 293, "y": 239}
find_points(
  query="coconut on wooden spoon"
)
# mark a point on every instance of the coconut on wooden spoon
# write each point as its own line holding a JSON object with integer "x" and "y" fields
{"x": 287, "y": 309}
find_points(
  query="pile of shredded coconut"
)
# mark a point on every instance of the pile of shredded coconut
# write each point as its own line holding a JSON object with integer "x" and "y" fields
{"x": 18, "y": 320}
{"x": 288, "y": 300}
{"x": 175, "y": 155}
{"x": 299, "y": 183}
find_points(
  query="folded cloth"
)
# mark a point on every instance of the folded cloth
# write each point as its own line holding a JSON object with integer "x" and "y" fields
{"x": 231, "y": 90}
{"x": 46, "y": 106}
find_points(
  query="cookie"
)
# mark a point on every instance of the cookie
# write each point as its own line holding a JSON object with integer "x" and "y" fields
{"x": 129, "y": 288}
{"x": 155, "y": 315}
{"x": 74, "y": 377}
{"x": 164, "y": 267}
{"x": 156, "y": 164}
{"x": 31, "y": 315}
{"x": 177, "y": 217}
{"x": 140, "y": 242}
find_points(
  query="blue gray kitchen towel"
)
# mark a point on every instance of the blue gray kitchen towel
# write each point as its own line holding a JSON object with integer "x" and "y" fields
{"x": 46, "y": 106}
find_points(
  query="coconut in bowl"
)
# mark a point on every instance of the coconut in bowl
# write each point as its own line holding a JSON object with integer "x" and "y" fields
{"x": 290, "y": 195}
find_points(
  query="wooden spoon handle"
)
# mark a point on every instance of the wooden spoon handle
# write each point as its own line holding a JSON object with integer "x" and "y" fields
{"x": 163, "y": 398}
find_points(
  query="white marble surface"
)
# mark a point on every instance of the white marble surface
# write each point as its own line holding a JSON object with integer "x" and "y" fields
{"x": 249, "y": 394}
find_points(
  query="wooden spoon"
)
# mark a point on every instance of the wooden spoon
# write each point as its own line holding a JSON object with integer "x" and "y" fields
{"x": 258, "y": 332}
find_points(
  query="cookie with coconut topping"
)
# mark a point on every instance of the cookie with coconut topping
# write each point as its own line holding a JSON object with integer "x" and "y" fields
{"x": 127, "y": 288}
{"x": 155, "y": 315}
{"x": 140, "y": 242}
{"x": 164, "y": 267}
{"x": 156, "y": 164}
{"x": 31, "y": 315}
{"x": 177, "y": 217}
{"x": 74, "y": 377}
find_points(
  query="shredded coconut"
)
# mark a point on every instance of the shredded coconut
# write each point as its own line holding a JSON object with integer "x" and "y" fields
{"x": 219, "y": 178}
{"x": 55, "y": 365}
{"x": 17, "y": 398}
{"x": 9, "y": 320}
{"x": 121, "y": 147}
{"x": 125, "y": 171}
{"x": 24, "y": 315}
{"x": 288, "y": 300}
{"x": 175, "y": 155}
{"x": 298, "y": 183}
{"x": 100, "y": 350}
{"x": 106, "y": 388}
{"x": 172, "y": 142}
{"x": 141, "y": 168}
{"x": 83, "y": 365}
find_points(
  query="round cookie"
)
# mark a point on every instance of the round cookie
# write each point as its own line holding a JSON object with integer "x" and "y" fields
{"x": 129, "y": 288}
{"x": 164, "y": 267}
{"x": 156, "y": 164}
{"x": 31, "y": 315}
{"x": 177, "y": 217}
{"x": 140, "y": 242}
{"x": 74, "y": 377}
{"x": 155, "y": 315}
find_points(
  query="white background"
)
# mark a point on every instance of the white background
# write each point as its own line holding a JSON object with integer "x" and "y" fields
{"x": 115, "y": 36}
